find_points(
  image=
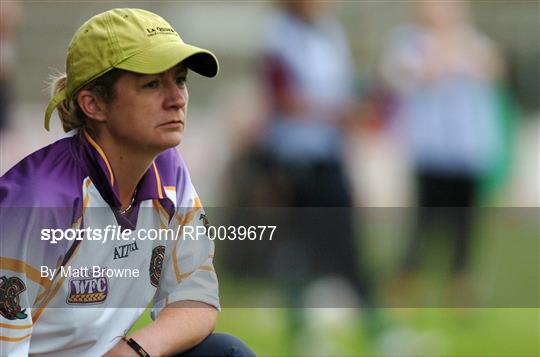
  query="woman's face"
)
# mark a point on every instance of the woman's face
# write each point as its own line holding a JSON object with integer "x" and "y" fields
{"x": 149, "y": 111}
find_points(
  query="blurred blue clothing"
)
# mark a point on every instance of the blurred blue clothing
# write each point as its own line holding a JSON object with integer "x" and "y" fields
{"x": 317, "y": 64}
{"x": 452, "y": 126}
{"x": 450, "y": 123}
{"x": 218, "y": 345}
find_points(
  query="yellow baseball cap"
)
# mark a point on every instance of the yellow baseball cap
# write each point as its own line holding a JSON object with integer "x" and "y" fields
{"x": 130, "y": 39}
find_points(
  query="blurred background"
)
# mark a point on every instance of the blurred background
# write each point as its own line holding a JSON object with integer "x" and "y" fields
{"x": 393, "y": 110}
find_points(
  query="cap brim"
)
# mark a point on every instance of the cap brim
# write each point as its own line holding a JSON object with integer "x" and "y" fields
{"x": 166, "y": 55}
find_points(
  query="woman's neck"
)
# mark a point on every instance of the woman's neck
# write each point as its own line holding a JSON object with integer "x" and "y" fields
{"x": 128, "y": 171}
{"x": 129, "y": 165}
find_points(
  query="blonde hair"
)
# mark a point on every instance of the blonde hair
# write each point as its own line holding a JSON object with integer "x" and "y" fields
{"x": 68, "y": 117}
{"x": 69, "y": 111}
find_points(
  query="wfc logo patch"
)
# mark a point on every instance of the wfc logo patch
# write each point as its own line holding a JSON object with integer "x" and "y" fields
{"x": 10, "y": 289}
{"x": 88, "y": 290}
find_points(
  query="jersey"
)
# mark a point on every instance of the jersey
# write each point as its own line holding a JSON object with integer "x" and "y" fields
{"x": 49, "y": 304}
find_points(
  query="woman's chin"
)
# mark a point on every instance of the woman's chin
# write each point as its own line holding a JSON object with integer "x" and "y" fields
{"x": 170, "y": 140}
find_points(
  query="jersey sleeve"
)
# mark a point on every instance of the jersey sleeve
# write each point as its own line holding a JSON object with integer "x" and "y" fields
{"x": 188, "y": 271}
{"x": 25, "y": 288}
{"x": 26, "y": 266}
{"x": 16, "y": 291}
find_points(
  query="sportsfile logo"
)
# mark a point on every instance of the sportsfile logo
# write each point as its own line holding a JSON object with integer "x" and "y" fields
{"x": 88, "y": 291}
{"x": 124, "y": 250}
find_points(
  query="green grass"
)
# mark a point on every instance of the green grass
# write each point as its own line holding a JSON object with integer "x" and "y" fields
{"x": 419, "y": 332}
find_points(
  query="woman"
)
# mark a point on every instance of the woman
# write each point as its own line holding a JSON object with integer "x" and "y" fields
{"x": 444, "y": 72}
{"x": 123, "y": 103}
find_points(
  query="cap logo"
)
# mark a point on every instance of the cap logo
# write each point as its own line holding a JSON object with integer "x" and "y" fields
{"x": 152, "y": 31}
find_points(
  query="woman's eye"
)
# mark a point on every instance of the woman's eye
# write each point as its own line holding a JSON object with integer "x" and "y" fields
{"x": 181, "y": 80}
{"x": 152, "y": 84}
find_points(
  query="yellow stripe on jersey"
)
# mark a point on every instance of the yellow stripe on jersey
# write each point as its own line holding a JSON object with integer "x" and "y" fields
{"x": 59, "y": 283}
{"x": 163, "y": 214}
{"x": 15, "y": 327}
{"x": 14, "y": 339}
{"x": 87, "y": 184}
{"x": 187, "y": 218}
{"x": 158, "y": 181}
{"x": 101, "y": 153}
{"x": 21, "y": 267}
{"x": 157, "y": 205}
{"x": 208, "y": 268}
{"x": 44, "y": 293}
{"x": 54, "y": 290}
{"x": 197, "y": 203}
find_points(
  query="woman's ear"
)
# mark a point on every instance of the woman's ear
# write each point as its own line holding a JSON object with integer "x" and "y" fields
{"x": 92, "y": 106}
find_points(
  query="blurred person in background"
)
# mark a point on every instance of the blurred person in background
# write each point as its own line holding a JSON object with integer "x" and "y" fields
{"x": 311, "y": 102}
{"x": 310, "y": 83}
{"x": 443, "y": 72}
{"x": 10, "y": 16}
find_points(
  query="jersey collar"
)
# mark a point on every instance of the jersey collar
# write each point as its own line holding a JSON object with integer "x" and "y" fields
{"x": 150, "y": 187}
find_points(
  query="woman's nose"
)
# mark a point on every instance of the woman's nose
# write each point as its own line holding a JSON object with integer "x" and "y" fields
{"x": 176, "y": 95}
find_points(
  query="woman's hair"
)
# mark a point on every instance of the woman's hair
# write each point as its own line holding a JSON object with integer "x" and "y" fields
{"x": 69, "y": 111}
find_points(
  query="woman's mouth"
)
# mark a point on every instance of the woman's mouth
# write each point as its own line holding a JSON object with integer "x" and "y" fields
{"x": 173, "y": 124}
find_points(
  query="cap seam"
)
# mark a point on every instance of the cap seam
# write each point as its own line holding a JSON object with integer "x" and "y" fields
{"x": 112, "y": 39}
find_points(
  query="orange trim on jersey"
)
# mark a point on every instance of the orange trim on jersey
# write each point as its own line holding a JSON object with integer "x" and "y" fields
{"x": 15, "y": 327}
{"x": 189, "y": 216}
{"x": 179, "y": 278}
{"x": 75, "y": 225}
{"x": 101, "y": 152}
{"x": 36, "y": 316}
{"x": 175, "y": 265}
{"x": 178, "y": 218}
{"x": 85, "y": 201}
{"x": 14, "y": 339}
{"x": 161, "y": 210}
{"x": 183, "y": 276}
{"x": 54, "y": 291}
{"x": 197, "y": 203}
{"x": 160, "y": 207}
{"x": 41, "y": 296}
{"x": 182, "y": 222}
{"x": 29, "y": 271}
{"x": 158, "y": 181}
{"x": 87, "y": 183}
{"x": 208, "y": 268}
